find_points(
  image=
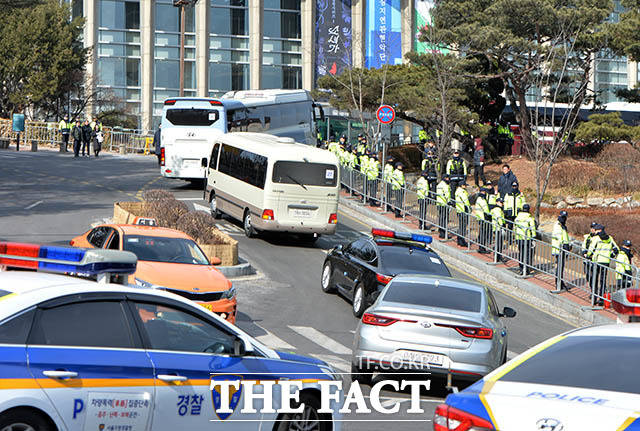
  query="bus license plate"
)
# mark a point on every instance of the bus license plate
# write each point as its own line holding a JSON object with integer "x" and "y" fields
{"x": 302, "y": 213}
{"x": 422, "y": 359}
{"x": 190, "y": 163}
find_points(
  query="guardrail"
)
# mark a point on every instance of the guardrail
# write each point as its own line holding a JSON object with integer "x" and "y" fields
{"x": 596, "y": 281}
{"x": 47, "y": 133}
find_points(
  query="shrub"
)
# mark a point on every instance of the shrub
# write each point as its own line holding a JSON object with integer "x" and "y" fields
{"x": 200, "y": 226}
{"x": 156, "y": 195}
{"x": 166, "y": 211}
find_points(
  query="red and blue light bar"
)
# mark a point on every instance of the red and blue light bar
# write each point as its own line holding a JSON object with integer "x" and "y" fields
{"x": 66, "y": 259}
{"x": 407, "y": 236}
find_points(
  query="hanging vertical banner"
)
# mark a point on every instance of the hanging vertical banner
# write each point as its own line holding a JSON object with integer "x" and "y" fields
{"x": 422, "y": 18}
{"x": 333, "y": 37}
{"x": 384, "y": 40}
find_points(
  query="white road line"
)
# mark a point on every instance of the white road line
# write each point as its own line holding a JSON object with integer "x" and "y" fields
{"x": 274, "y": 342}
{"x": 188, "y": 199}
{"x": 321, "y": 339}
{"x": 511, "y": 355}
{"x": 33, "y": 205}
{"x": 339, "y": 364}
{"x": 199, "y": 207}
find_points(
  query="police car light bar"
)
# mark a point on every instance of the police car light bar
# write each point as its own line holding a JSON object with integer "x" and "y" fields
{"x": 67, "y": 259}
{"x": 626, "y": 301}
{"x": 426, "y": 239}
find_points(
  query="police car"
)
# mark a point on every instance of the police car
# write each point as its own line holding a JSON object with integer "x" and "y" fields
{"x": 586, "y": 379}
{"x": 79, "y": 354}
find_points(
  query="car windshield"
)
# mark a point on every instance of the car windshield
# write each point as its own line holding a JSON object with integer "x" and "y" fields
{"x": 574, "y": 362}
{"x": 161, "y": 249}
{"x": 401, "y": 259}
{"x": 305, "y": 174}
{"x": 430, "y": 295}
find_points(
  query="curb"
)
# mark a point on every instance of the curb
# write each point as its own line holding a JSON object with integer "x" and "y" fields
{"x": 527, "y": 291}
{"x": 240, "y": 270}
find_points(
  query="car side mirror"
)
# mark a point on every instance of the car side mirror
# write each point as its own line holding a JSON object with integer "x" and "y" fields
{"x": 203, "y": 162}
{"x": 508, "y": 312}
{"x": 242, "y": 346}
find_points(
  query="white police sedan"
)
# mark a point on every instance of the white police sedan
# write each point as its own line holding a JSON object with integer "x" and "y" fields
{"x": 83, "y": 355}
{"x": 586, "y": 379}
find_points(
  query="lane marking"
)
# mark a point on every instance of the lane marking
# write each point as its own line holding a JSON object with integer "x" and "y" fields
{"x": 33, "y": 205}
{"x": 503, "y": 291}
{"x": 271, "y": 340}
{"x": 199, "y": 207}
{"x": 321, "y": 339}
{"x": 189, "y": 199}
{"x": 339, "y": 364}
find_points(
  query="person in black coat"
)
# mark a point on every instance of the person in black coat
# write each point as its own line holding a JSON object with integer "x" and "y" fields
{"x": 156, "y": 143}
{"x": 76, "y": 132}
{"x": 506, "y": 180}
{"x": 87, "y": 133}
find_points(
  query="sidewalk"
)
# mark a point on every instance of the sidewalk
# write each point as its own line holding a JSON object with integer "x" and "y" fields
{"x": 573, "y": 305}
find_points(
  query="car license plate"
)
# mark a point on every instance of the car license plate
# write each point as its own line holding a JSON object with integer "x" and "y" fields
{"x": 422, "y": 359}
{"x": 190, "y": 163}
{"x": 302, "y": 213}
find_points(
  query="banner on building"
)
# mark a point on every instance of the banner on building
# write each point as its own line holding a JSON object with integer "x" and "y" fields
{"x": 383, "y": 33}
{"x": 423, "y": 19}
{"x": 333, "y": 37}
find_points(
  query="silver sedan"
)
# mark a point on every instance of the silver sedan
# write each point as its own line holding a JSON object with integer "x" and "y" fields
{"x": 431, "y": 324}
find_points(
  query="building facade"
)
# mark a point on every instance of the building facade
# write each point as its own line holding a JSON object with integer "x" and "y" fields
{"x": 256, "y": 44}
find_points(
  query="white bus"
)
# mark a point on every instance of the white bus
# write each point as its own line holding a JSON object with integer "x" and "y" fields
{"x": 188, "y": 123}
{"x": 273, "y": 184}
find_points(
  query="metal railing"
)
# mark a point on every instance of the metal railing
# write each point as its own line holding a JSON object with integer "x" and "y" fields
{"x": 593, "y": 282}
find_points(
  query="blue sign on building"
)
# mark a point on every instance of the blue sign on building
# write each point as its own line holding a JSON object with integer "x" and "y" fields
{"x": 383, "y": 34}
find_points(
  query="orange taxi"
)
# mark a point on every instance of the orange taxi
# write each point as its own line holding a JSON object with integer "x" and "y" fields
{"x": 167, "y": 259}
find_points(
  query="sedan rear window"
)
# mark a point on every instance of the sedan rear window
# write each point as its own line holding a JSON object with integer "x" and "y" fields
{"x": 430, "y": 295}
{"x": 399, "y": 259}
{"x": 192, "y": 117}
{"x": 601, "y": 363}
{"x": 307, "y": 174}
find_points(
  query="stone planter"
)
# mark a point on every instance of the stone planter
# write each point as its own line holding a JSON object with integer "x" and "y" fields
{"x": 226, "y": 250}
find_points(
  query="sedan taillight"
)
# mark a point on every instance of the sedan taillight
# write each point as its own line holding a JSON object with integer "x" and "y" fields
{"x": 471, "y": 331}
{"x": 384, "y": 279}
{"x": 377, "y": 320}
{"x": 447, "y": 418}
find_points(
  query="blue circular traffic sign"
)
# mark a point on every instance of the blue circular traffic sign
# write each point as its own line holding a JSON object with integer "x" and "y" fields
{"x": 385, "y": 114}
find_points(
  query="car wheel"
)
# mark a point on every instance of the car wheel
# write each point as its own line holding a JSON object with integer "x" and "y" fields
{"x": 23, "y": 420}
{"x": 327, "y": 279}
{"x": 361, "y": 375}
{"x": 249, "y": 231}
{"x": 358, "y": 303}
{"x": 309, "y": 419}
{"x": 213, "y": 205}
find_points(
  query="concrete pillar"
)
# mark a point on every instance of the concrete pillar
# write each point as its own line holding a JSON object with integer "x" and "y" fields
{"x": 307, "y": 17}
{"x": 358, "y": 16}
{"x": 632, "y": 74}
{"x": 147, "y": 26}
{"x": 591, "y": 86}
{"x": 256, "y": 8}
{"x": 91, "y": 40}
{"x": 407, "y": 35}
{"x": 202, "y": 48}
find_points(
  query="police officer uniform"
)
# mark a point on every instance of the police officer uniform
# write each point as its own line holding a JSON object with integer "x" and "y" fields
{"x": 560, "y": 245}
{"x": 397, "y": 179}
{"x": 524, "y": 227}
{"x": 64, "y": 126}
{"x": 497, "y": 221}
{"x": 605, "y": 247}
{"x": 443, "y": 197}
{"x": 483, "y": 216}
{"x": 457, "y": 170}
{"x": 623, "y": 265}
{"x": 463, "y": 207}
{"x": 422, "y": 191}
{"x": 387, "y": 176}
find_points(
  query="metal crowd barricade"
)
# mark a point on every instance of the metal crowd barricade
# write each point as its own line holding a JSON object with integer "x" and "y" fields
{"x": 596, "y": 282}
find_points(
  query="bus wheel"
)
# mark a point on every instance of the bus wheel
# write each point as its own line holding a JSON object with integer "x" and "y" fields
{"x": 213, "y": 205}
{"x": 249, "y": 231}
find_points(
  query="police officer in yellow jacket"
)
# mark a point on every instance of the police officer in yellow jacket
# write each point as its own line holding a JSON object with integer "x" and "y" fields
{"x": 443, "y": 200}
{"x": 463, "y": 208}
{"x": 623, "y": 265}
{"x": 422, "y": 191}
{"x": 431, "y": 166}
{"x": 387, "y": 176}
{"x": 483, "y": 215}
{"x": 559, "y": 247}
{"x": 524, "y": 227}
{"x": 373, "y": 173}
{"x": 513, "y": 204}
{"x": 457, "y": 170}
{"x": 497, "y": 221}
{"x": 398, "y": 188}
{"x": 64, "y": 126}
{"x": 604, "y": 249}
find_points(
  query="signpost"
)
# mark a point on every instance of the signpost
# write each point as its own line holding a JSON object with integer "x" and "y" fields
{"x": 18, "y": 126}
{"x": 385, "y": 115}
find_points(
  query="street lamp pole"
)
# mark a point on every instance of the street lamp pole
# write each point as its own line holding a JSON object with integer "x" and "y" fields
{"x": 182, "y": 4}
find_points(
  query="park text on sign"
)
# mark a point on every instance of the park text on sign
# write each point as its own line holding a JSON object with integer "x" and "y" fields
{"x": 385, "y": 114}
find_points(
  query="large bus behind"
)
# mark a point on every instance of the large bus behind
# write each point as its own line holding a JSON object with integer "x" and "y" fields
{"x": 189, "y": 124}
{"x": 273, "y": 184}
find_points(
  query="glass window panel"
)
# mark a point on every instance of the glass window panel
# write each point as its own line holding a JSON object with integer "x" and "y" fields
{"x": 161, "y": 95}
{"x": 272, "y": 24}
{"x": 190, "y": 53}
{"x": 165, "y": 73}
{"x": 220, "y": 21}
{"x": 133, "y": 95}
{"x": 133, "y": 37}
{"x": 111, "y": 36}
{"x": 291, "y": 77}
{"x": 190, "y": 93}
{"x": 219, "y": 55}
{"x": 190, "y": 21}
{"x": 167, "y": 53}
{"x": 111, "y": 71}
{"x": 219, "y": 42}
{"x": 239, "y": 43}
{"x": 133, "y": 51}
{"x": 291, "y": 26}
{"x": 112, "y": 14}
{"x": 291, "y": 59}
{"x": 190, "y": 74}
{"x": 132, "y": 14}
{"x": 270, "y": 58}
{"x": 272, "y": 4}
{"x": 271, "y": 45}
{"x": 242, "y": 56}
{"x": 220, "y": 76}
{"x": 239, "y": 77}
{"x": 239, "y": 22}
{"x": 133, "y": 72}
{"x": 190, "y": 40}
{"x": 271, "y": 77}
{"x": 291, "y": 46}
{"x": 229, "y": 2}
{"x": 77, "y": 8}
{"x": 290, "y": 4}
{"x": 167, "y": 39}
{"x": 111, "y": 50}
{"x": 167, "y": 17}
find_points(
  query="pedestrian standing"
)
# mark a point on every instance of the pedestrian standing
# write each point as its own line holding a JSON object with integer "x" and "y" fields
{"x": 398, "y": 188}
{"x": 388, "y": 175}
{"x": 524, "y": 227}
{"x": 64, "y": 126}
{"x": 86, "y": 138}
{"x": 506, "y": 180}
{"x": 513, "y": 203}
{"x": 482, "y": 214}
{"x": 604, "y": 249}
{"x": 463, "y": 208}
{"x": 98, "y": 137}
{"x": 457, "y": 170}
{"x": 559, "y": 247}
{"x": 443, "y": 197}
{"x": 432, "y": 167}
{"x": 478, "y": 162}
{"x": 588, "y": 240}
{"x": 623, "y": 265}
{"x": 497, "y": 220}
{"x": 422, "y": 191}
{"x": 157, "y": 143}
{"x": 492, "y": 195}
{"x": 76, "y": 132}
{"x": 373, "y": 173}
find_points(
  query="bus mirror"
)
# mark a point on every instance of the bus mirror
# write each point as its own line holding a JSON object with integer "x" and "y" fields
{"x": 318, "y": 112}
{"x": 203, "y": 162}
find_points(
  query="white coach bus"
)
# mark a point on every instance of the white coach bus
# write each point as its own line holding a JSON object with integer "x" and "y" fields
{"x": 188, "y": 123}
{"x": 273, "y": 184}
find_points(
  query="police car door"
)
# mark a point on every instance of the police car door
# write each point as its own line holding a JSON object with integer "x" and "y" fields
{"x": 87, "y": 356}
{"x": 188, "y": 350}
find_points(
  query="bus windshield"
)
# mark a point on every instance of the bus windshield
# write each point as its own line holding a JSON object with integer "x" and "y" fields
{"x": 192, "y": 116}
{"x": 304, "y": 173}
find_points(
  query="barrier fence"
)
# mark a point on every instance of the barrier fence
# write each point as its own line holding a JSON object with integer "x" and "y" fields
{"x": 596, "y": 281}
{"x": 42, "y": 133}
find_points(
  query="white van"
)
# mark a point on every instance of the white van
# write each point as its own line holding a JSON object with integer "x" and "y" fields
{"x": 273, "y": 184}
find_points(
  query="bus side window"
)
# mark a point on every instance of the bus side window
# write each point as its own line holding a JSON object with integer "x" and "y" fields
{"x": 213, "y": 161}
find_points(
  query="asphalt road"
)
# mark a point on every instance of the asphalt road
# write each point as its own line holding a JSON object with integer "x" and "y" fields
{"x": 48, "y": 197}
